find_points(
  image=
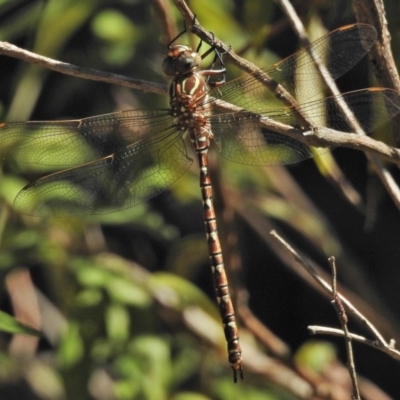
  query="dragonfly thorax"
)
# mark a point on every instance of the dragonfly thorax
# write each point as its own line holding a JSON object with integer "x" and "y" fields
{"x": 188, "y": 97}
{"x": 181, "y": 60}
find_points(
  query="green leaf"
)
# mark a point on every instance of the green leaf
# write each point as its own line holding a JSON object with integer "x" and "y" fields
{"x": 112, "y": 25}
{"x": 126, "y": 292}
{"x": 154, "y": 357}
{"x": 119, "y": 33}
{"x": 89, "y": 298}
{"x": 11, "y": 325}
{"x": 117, "y": 323}
{"x": 224, "y": 389}
{"x": 186, "y": 293}
{"x": 126, "y": 389}
{"x": 315, "y": 355}
{"x": 72, "y": 347}
{"x": 101, "y": 350}
{"x": 89, "y": 275}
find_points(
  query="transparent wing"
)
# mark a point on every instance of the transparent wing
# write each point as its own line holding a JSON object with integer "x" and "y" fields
{"x": 339, "y": 51}
{"x": 69, "y": 143}
{"x": 242, "y": 139}
{"x": 139, "y": 153}
{"x": 123, "y": 179}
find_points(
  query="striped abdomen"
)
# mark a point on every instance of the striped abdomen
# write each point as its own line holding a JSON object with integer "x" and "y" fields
{"x": 188, "y": 94}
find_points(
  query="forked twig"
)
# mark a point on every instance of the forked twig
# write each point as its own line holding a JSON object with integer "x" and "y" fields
{"x": 388, "y": 349}
{"x": 379, "y": 342}
{"x": 338, "y": 305}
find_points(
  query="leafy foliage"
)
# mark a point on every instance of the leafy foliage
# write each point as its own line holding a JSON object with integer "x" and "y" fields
{"x": 122, "y": 313}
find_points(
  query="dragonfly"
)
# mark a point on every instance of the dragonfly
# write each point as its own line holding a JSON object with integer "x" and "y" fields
{"x": 110, "y": 162}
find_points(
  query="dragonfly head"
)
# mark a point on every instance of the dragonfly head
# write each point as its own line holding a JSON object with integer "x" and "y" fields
{"x": 181, "y": 60}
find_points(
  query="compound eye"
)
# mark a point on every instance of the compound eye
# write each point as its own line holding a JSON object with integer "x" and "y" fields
{"x": 169, "y": 66}
{"x": 181, "y": 60}
{"x": 184, "y": 64}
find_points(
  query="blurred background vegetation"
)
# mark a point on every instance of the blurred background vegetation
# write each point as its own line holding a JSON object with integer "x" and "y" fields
{"x": 125, "y": 301}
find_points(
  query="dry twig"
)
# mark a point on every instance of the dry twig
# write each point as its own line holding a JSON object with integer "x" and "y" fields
{"x": 338, "y": 305}
{"x": 379, "y": 341}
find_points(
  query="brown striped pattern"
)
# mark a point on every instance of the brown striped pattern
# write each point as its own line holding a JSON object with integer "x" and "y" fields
{"x": 187, "y": 97}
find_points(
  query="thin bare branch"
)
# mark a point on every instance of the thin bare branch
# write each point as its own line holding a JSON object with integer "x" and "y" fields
{"x": 338, "y": 305}
{"x": 380, "y": 343}
{"x": 80, "y": 72}
{"x": 373, "y": 12}
{"x": 314, "y": 274}
{"x": 324, "y": 137}
{"x": 275, "y": 345}
{"x": 164, "y": 16}
{"x": 295, "y": 21}
{"x": 323, "y": 330}
{"x": 383, "y": 173}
